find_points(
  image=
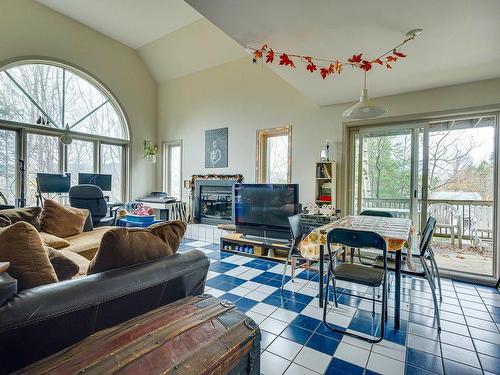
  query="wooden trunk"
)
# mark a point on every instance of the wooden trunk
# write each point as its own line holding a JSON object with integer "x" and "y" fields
{"x": 196, "y": 335}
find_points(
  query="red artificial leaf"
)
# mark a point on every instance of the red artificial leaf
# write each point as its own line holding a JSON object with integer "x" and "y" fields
{"x": 257, "y": 54}
{"x": 285, "y": 60}
{"x": 270, "y": 56}
{"x": 355, "y": 59}
{"x": 366, "y": 65}
{"x": 378, "y": 61}
{"x": 308, "y": 58}
{"x": 391, "y": 58}
{"x": 324, "y": 72}
{"x": 399, "y": 54}
{"x": 388, "y": 66}
{"x": 311, "y": 67}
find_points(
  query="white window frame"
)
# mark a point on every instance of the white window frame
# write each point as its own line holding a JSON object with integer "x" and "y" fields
{"x": 166, "y": 172}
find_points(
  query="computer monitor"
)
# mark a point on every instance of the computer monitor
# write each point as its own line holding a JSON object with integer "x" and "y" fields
{"x": 53, "y": 183}
{"x": 101, "y": 180}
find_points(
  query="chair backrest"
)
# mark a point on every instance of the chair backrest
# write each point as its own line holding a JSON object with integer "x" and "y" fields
{"x": 443, "y": 212}
{"x": 295, "y": 228}
{"x": 426, "y": 237}
{"x": 376, "y": 213}
{"x": 357, "y": 238}
{"x": 91, "y": 198}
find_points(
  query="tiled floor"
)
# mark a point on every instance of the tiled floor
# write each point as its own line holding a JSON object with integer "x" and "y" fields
{"x": 295, "y": 341}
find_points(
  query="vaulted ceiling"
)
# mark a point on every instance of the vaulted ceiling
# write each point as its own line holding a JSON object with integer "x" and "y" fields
{"x": 174, "y": 38}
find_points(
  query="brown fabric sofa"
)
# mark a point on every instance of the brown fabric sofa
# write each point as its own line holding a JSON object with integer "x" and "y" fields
{"x": 81, "y": 248}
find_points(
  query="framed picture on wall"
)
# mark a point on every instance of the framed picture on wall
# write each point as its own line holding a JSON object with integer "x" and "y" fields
{"x": 216, "y": 148}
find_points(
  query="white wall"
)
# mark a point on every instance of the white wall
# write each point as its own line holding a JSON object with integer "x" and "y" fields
{"x": 30, "y": 29}
{"x": 246, "y": 97}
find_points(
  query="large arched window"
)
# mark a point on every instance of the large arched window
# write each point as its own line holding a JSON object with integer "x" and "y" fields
{"x": 42, "y": 100}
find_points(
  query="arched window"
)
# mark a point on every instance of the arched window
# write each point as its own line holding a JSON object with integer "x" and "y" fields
{"x": 42, "y": 100}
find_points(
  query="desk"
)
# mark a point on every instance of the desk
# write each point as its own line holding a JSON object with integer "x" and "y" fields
{"x": 395, "y": 231}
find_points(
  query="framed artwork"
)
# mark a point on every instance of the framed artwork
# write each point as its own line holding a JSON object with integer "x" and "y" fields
{"x": 216, "y": 148}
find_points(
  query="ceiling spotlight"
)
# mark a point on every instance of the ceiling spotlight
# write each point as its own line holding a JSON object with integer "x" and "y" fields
{"x": 413, "y": 33}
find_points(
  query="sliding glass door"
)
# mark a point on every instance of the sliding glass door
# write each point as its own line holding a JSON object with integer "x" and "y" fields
{"x": 445, "y": 169}
{"x": 460, "y": 192}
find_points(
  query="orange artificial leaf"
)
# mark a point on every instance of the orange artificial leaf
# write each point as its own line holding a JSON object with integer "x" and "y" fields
{"x": 378, "y": 61}
{"x": 391, "y": 58}
{"x": 311, "y": 67}
{"x": 308, "y": 58}
{"x": 399, "y": 54}
{"x": 338, "y": 66}
{"x": 257, "y": 54}
{"x": 366, "y": 65}
{"x": 270, "y": 56}
{"x": 355, "y": 59}
{"x": 264, "y": 47}
{"x": 324, "y": 72}
{"x": 388, "y": 66}
{"x": 285, "y": 60}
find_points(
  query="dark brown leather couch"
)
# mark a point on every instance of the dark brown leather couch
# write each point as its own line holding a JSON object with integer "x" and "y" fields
{"x": 38, "y": 322}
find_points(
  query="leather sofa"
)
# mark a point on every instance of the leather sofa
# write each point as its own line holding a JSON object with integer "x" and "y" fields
{"x": 38, "y": 322}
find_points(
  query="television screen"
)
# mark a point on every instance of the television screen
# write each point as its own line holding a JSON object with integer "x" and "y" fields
{"x": 265, "y": 205}
{"x": 53, "y": 183}
{"x": 101, "y": 180}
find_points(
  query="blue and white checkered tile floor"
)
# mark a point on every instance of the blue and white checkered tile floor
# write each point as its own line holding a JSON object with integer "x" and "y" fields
{"x": 295, "y": 341}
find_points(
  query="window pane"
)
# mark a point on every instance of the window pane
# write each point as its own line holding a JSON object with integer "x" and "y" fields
{"x": 104, "y": 121}
{"x": 80, "y": 159}
{"x": 43, "y": 83}
{"x": 112, "y": 163}
{"x": 14, "y": 105}
{"x": 42, "y": 157}
{"x": 174, "y": 166}
{"x": 8, "y": 165}
{"x": 277, "y": 159}
{"x": 81, "y": 98}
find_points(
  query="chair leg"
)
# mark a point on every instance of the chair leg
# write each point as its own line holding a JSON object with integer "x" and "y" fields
{"x": 283, "y": 278}
{"x": 293, "y": 267}
{"x": 430, "y": 280}
{"x": 352, "y": 255}
{"x": 438, "y": 277}
{"x": 373, "y": 302}
{"x": 335, "y": 292}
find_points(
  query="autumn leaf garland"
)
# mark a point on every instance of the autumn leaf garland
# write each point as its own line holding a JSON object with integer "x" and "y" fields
{"x": 326, "y": 67}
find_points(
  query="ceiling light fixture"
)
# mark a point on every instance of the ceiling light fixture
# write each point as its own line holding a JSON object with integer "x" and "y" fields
{"x": 365, "y": 108}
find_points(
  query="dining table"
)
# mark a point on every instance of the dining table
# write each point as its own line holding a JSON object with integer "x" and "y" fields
{"x": 395, "y": 231}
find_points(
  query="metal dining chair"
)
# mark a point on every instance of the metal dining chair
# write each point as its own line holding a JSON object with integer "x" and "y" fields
{"x": 356, "y": 273}
{"x": 426, "y": 265}
{"x": 297, "y": 235}
{"x": 376, "y": 213}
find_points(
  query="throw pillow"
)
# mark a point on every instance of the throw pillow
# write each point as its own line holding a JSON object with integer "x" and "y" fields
{"x": 64, "y": 267}
{"x": 62, "y": 221}
{"x": 21, "y": 245}
{"x": 121, "y": 247}
{"x": 29, "y": 214}
{"x": 52, "y": 241}
{"x": 4, "y": 222}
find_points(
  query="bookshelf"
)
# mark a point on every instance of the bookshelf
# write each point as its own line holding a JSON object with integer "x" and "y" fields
{"x": 325, "y": 183}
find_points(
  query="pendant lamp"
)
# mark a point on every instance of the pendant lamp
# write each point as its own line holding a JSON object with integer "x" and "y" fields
{"x": 365, "y": 108}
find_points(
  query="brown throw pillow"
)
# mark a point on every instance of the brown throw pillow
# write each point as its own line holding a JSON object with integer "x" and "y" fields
{"x": 21, "y": 245}
{"x": 52, "y": 241}
{"x": 28, "y": 214}
{"x": 4, "y": 222}
{"x": 121, "y": 247}
{"x": 62, "y": 221}
{"x": 64, "y": 267}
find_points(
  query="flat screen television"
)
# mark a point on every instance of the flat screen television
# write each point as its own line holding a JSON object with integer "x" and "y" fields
{"x": 262, "y": 210}
{"x": 53, "y": 182}
{"x": 101, "y": 180}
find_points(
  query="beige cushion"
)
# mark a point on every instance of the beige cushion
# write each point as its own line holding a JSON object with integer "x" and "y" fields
{"x": 86, "y": 243}
{"x": 121, "y": 247}
{"x": 21, "y": 245}
{"x": 52, "y": 241}
{"x": 83, "y": 263}
{"x": 62, "y": 221}
{"x": 64, "y": 266}
{"x": 28, "y": 214}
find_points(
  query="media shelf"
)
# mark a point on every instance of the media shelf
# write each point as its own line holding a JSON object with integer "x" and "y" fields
{"x": 260, "y": 249}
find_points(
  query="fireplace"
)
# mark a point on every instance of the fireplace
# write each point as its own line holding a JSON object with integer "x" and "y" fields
{"x": 213, "y": 200}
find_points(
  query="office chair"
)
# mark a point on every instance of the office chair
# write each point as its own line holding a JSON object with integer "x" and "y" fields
{"x": 92, "y": 198}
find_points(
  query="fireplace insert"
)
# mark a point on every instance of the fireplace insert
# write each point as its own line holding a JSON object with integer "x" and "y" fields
{"x": 213, "y": 201}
